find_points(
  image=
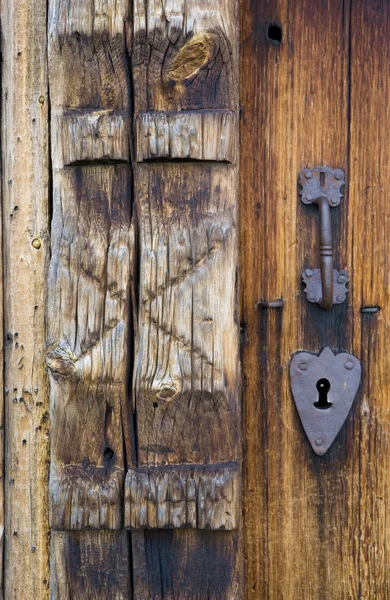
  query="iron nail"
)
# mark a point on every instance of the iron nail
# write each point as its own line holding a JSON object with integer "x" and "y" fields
{"x": 349, "y": 365}
{"x": 312, "y": 297}
{"x": 338, "y": 175}
{"x": 308, "y": 174}
{"x": 309, "y": 197}
{"x": 308, "y": 272}
{"x": 341, "y": 278}
{"x": 319, "y": 442}
{"x": 340, "y": 297}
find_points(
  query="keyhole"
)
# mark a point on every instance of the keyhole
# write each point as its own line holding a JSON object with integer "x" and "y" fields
{"x": 323, "y": 387}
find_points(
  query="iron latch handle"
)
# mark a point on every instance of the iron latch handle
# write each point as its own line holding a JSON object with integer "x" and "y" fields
{"x": 322, "y": 186}
{"x": 326, "y": 253}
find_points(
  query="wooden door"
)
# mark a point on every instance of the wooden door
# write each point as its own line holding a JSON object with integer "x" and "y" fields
{"x": 315, "y": 85}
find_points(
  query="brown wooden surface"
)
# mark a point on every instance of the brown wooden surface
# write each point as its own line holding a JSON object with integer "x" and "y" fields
{"x": 315, "y": 527}
{"x": 89, "y": 309}
{"x": 90, "y": 565}
{"x": 186, "y": 371}
{"x": 25, "y": 202}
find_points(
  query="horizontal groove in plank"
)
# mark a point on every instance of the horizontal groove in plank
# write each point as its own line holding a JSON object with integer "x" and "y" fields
{"x": 182, "y": 496}
{"x": 86, "y": 498}
{"x": 88, "y": 136}
{"x": 207, "y": 135}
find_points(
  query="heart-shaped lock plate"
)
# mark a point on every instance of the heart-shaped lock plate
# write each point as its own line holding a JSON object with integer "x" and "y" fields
{"x": 324, "y": 388}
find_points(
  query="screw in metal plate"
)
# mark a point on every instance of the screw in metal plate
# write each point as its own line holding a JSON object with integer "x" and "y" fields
{"x": 341, "y": 278}
{"x": 338, "y": 174}
{"x": 340, "y": 297}
{"x": 349, "y": 365}
{"x": 302, "y": 366}
{"x": 312, "y": 297}
{"x": 308, "y": 272}
{"x": 308, "y": 174}
{"x": 318, "y": 442}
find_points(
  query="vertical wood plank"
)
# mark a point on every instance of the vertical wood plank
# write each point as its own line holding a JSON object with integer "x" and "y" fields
{"x": 368, "y": 240}
{"x": 89, "y": 284}
{"x": 25, "y": 196}
{"x": 300, "y": 509}
{"x": 89, "y": 309}
{"x": 186, "y": 372}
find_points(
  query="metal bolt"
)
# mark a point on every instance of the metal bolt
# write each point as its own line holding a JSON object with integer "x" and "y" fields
{"x": 312, "y": 297}
{"x": 334, "y": 201}
{"x": 319, "y": 442}
{"x": 341, "y": 278}
{"x": 308, "y": 272}
{"x": 338, "y": 174}
{"x": 308, "y": 174}
{"x": 340, "y": 297}
{"x": 349, "y": 365}
{"x": 309, "y": 197}
{"x": 302, "y": 366}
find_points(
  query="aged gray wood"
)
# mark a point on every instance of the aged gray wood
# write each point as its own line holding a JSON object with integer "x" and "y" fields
{"x": 89, "y": 308}
{"x": 25, "y": 207}
{"x": 89, "y": 284}
{"x": 195, "y": 497}
{"x": 186, "y": 369}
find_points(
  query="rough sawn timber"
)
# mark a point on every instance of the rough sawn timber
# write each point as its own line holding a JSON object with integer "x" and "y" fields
{"x": 25, "y": 208}
{"x": 186, "y": 371}
{"x": 89, "y": 310}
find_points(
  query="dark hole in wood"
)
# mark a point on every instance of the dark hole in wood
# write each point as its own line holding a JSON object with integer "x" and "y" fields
{"x": 155, "y": 404}
{"x": 323, "y": 387}
{"x": 108, "y": 454}
{"x": 274, "y": 33}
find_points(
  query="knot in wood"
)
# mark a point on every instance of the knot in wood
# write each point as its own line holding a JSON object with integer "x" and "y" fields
{"x": 61, "y": 360}
{"x": 192, "y": 57}
{"x": 165, "y": 391}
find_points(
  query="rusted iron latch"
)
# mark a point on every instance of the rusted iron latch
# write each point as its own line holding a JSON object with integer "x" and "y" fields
{"x": 322, "y": 186}
{"x": 324, "y": 388}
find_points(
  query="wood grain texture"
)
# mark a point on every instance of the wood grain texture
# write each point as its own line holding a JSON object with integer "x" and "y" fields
{"x": 91, "y": 565}
{"x": 25, "y": 202}
{"x": 315, "y": 527}
{"x": 90, "y": 270}
{"x": 186, "y": 565}
{"x": 191, "y": 135}
{"x": 185, "y": 55}
{"x": 186, "y": 371}
{"x": 200, "y": 497}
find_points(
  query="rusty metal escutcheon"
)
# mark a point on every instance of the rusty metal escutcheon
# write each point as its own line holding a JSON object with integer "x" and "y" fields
{"x": 324, "y": 388}
{"x": 322, "y": 186}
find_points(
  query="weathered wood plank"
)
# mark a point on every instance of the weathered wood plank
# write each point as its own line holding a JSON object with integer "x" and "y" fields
{"x": 25, "y": 202}
{"x": 91, "y": 565}
{"x": 89, "y": 285}
{"x": 300, "y": 509}
{"x": 194, "y": 497}
{"x": 186, "y": 377}
{"x": 186, "y": 372}
{"x": 195, "y": 135}
{"x": 186, "y": 565}
{"x": 90, "y": 136}
{"x": 88, "y": 332}
{"x": 367, "y": 239}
